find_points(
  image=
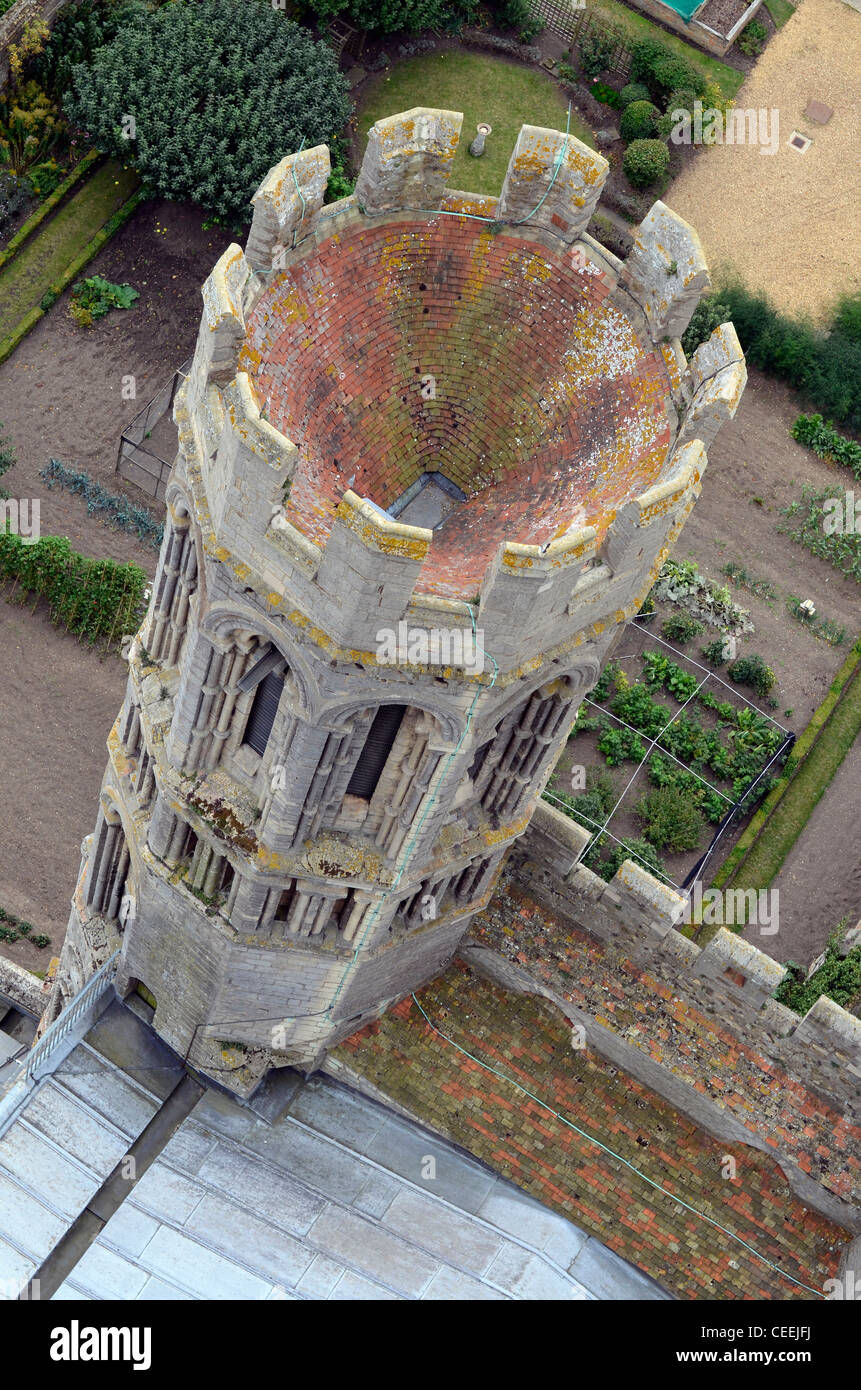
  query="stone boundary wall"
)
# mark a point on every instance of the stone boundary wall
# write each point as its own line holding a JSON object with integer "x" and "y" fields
{"x": 20, "y": 988}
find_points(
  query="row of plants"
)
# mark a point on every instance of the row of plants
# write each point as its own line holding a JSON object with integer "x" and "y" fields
{"x": 12, "y": 928}
{"x": 807, "y": 518}
{"x": 822, "y": 363}
{"x": 93, "y": 599}
{"x": 775, "y": 827}
{"x": 751, "y": 739}
{"x": 824, "y": 628}
{"x": 118, "y": 511}
{"x": 7, "y": 457}
{"x": 827, "y": 443}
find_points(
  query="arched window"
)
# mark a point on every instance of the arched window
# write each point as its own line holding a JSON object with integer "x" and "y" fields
{"x": 377, "y": 747}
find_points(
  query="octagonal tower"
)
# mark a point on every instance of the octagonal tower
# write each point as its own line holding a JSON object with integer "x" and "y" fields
{"x": 434, "y": 447}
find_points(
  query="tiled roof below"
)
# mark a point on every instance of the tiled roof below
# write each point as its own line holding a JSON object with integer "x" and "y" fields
{"x": 527, "y": 1040}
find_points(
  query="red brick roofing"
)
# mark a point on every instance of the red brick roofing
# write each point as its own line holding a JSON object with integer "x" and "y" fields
{"x": 527, "y": 1040}
{"x": 546, "y": 410}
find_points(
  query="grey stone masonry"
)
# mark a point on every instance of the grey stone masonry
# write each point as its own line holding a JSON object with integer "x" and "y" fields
{"x": 294, "y": 830}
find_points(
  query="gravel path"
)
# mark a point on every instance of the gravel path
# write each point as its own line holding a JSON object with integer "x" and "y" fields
{"x": 789, "y": 223}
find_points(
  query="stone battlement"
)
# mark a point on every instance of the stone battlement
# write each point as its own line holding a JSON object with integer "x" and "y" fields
{"x": 354, "y": 352}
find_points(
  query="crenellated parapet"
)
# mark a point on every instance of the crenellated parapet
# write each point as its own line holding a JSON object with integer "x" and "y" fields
{"x": 430, "y": 460}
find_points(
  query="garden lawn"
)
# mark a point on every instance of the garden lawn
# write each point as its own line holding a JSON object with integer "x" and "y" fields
{"x": 53, "y": 247}
{"x": 506, "y": 95}
{"x": 780, "y": 11}
{"x": 639, "y": 27}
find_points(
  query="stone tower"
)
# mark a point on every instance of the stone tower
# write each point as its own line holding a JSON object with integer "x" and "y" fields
{"x": 433, "y": 448}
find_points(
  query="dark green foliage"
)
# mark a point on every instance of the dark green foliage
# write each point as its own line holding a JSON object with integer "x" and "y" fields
{"x": 645, "y": 161}
{"x": 636, "y": 706}
{"x": 78, "y": 31}
{"x": 752, "y": 670}
{"x": 838, "y": 977}
{"x": 709, "y": 314}
{"x": 659, "y": 69}
{"x": 605, "y": 680}
{"x": 513, "y": 14}
{"x": 634, "y": 91}
{"x": 341, "y": 183}
{"x": 638, "y": 121}
{"x": 122, "y": 514}
{"x": 597, "y": 48}
{"x": 92, "y": 598}
{"x": 660, "y": 671}
{"x": 826, "y": 443}
{"x": 680, "y": 628}
{"x": 752, "y": 38}
{"x": 220, "y": 91}
{"x": 671, "y": 819}
{"x": 847, "y": 319}
{"x": 618, "y": 745}
{"x": 715, "y": 652}
{"x": 12, "y": 927}
{"x": 642, "y": 853}
{"x": 411, "y": 16}
{"x": 825, "y": 366}
{"x": 601, "y": 91}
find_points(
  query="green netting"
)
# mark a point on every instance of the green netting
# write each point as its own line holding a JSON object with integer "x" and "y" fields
{"x": 685, "y": 8}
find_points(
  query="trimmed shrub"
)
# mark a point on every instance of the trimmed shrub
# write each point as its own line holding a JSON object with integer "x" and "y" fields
{"x": 680, "y": 628}
{"x": 638, "y": 121}
{"x": 671, "y": 819}
{"x": 752, "y": 670}
{"x": 635, "y": 91}
{"x": 241, "y": 85}
{"x": 596, "y": 49}
{"x": 645, "y": 161}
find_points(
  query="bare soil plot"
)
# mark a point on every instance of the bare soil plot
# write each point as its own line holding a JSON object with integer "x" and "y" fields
{"x": 61, "y": 390}
{"x": 58, "y": 702}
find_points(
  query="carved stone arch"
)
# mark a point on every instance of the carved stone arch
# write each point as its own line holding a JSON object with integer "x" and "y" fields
{"x": 451, "y": 724}
{"x": 219, "y": 622}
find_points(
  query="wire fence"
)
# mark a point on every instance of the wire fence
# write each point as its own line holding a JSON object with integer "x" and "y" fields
{"x": 148, "y": 445}
{"x": 738, "y": 806}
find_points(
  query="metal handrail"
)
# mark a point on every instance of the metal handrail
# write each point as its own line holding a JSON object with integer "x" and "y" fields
{"x": 96, "y": 986}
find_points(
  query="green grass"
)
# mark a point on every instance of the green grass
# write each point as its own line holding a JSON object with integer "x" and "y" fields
{"x": 506, "y": 95}
{"x": 45, "y": 256}
{"x": 639, "y": 27}
{"x": 780, "y": 11}
{"x": 803, "y": 792}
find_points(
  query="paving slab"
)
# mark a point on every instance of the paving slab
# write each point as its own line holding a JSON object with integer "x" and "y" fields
{"x": 358, "y": 1242}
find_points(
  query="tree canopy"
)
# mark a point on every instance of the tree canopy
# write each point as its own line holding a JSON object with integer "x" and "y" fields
{"x": 217, "y": 92}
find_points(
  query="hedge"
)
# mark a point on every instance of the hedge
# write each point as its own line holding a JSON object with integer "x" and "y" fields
{"x": 14, "y": 245}
{"x": 803, "y": 745}
{"x": 11, "y": 341}
{"x": 91, "y": 598}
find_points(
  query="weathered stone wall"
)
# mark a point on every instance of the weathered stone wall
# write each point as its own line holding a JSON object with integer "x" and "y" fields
{"x": 250, "y": 890}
